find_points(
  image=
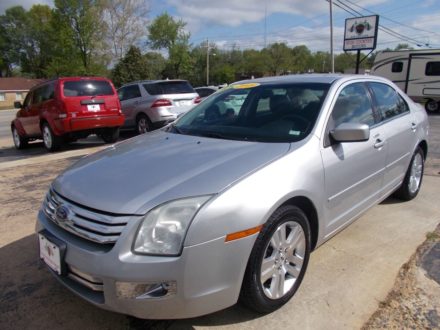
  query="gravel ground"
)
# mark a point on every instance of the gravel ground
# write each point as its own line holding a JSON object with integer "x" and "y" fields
{"x": 414, "y": 301}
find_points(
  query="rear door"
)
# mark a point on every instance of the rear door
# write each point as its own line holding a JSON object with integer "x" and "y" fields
{"x": 353, "y": 170}
{"x": 89, "y": 97}
{"x": 130, "y": 97}
{"x": 400, "y": 127}
{"x": 424, "y": 76}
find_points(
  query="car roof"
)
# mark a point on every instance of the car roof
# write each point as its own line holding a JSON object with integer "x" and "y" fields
{"x": 152, "y": 81}
{"x": 296, "y": 78}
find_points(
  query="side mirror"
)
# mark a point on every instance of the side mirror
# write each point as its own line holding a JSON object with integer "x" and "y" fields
{"x": 351, "y": 132}
{"x": 17, "y": 105}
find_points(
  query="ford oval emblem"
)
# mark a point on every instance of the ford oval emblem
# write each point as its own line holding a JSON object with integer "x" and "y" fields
{"x": 63, "y": 213}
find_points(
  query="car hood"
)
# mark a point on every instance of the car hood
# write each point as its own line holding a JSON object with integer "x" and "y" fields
{"x": 140, "y": 173}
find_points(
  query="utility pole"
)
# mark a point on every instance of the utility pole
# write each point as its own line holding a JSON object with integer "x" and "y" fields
{"x": 265, "y": 23}
{"x": 207, "y": 62}
{"x": 332, "y": 55}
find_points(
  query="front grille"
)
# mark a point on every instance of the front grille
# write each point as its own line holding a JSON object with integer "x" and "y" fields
{"x": 91, "y": 225}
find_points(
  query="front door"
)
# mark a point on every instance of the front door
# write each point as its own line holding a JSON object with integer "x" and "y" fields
{"x": 353, "y": 170}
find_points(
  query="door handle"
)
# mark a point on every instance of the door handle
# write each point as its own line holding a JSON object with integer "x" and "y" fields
{"x": 413, "y": 127}
{"x": 379, "y": 143}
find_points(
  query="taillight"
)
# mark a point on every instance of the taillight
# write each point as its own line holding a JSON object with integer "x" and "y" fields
{"x": 161, "y": 103}
{"x": 197, "y": 100}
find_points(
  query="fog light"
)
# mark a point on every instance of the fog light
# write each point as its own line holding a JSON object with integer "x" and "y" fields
{"x": 127, "y": 290}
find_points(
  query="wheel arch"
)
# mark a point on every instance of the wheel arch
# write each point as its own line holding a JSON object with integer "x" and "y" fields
{"x": 307, "y": 206}
{"x": 424, "y": 146}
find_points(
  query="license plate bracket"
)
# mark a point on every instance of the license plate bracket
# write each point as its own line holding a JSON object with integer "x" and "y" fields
{"x": 52, "y": 252}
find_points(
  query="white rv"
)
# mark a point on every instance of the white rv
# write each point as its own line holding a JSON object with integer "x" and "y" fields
{"x": 417, "y": 72}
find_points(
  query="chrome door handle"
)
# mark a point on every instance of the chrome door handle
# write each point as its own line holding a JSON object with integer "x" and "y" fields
{"x": 379, "y": 144}
{"x": 413, "y": 127}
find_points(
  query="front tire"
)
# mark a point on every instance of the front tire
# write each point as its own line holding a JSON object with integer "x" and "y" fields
{"x": 19, "y": 141}
{"x": 413, "y": 179}
{"x": 278, "y": 260}
{"x": 51, "y": 141}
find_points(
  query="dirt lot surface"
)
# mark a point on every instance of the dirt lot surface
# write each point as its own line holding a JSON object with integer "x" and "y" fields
{"x": 414, "y": 301}
{"x": 348, "y": 278}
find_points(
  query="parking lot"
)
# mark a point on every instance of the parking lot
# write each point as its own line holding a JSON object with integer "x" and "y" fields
{"x": 347, "y": 277}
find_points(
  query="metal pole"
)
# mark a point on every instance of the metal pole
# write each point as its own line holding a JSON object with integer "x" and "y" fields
{"x": 358, "y": 60}
{"x": 265, "y": 24}
{"x": 332, "y": 55}
{"x": 207, "y": 62}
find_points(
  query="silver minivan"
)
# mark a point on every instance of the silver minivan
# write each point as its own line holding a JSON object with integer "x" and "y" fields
{"x": 151, "y": 104}
{"x": 228, "y": 202}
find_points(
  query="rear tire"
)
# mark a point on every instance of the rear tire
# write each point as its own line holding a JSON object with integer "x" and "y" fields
{"x": 110, "y": 135}
{"x": 413, "y": 179}
{"x": 278, "y": 260}
{"x": 19, "y": 141}
{"x": 51, "y": 141}
{"x": 432, "y": 106}
{"x": 143, "y": 124}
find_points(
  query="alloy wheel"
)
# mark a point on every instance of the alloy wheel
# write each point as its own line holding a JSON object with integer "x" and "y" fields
{"x": 283, "y": 260}
{"x": 416, "y": 173}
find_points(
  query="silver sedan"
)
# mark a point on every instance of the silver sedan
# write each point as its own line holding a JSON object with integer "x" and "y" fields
{"x": 228, "y": 202}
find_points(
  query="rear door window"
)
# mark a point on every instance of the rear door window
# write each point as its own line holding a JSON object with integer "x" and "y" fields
{"x": 87, "y": 88}
{"x": 169, "y": 87}
{"x": 129, "y": 92}
{"x": 388, "y": 101}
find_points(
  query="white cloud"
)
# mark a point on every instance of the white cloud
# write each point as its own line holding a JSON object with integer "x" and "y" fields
{"x": 233, "y": 13}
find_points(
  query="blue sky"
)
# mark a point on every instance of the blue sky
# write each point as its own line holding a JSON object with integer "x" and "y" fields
{"x": 241, "y": 23}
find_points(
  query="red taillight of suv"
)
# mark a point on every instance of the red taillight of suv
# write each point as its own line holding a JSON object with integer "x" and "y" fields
{"x": 197, "y": 100}
{"x": 161, "y": 103}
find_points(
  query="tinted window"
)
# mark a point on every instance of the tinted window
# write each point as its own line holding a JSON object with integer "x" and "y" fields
{"x": 169, "y": 87}
{"x": 267, "y": 113}
{"x": 389, "y": 102}
{"x": 27, "y": 100}
{"x": 38, "y": 95}
{"x": 397, "y": 67}
{"x": 87, "y": 88}
{"x": 353, "y": 106}
{"x": 129, "y": 92}
{"x": 432, "y": 69}
{"x": 203, "y": 92}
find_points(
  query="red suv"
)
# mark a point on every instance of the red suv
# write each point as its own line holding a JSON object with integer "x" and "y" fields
{"x": 67, "y": 109}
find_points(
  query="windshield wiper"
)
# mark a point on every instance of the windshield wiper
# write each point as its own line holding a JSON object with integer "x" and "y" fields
{"x": 176, "y": 129}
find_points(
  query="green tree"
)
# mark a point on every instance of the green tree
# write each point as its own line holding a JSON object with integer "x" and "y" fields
{"x": 302, "y": 59}
{"x": 278, "y": 57}
{"x": 167, "y": 33}
{"x": 80, "y": 37}
{"x": 133, "y": 66}
{"x": 13, "y": 28}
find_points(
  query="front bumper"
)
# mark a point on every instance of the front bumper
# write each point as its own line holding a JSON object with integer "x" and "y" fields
{"x": 208, "y": 276}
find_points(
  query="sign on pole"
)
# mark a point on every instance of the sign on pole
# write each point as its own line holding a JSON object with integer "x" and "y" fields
{"x": 361, "y": 32}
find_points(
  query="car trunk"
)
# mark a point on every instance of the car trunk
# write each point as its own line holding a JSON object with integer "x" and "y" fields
{"x": 90, "y": 98}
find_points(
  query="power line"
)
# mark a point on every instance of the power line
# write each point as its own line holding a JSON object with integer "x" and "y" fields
{"x": 391, "y": 20}
{"x": 383, "y": 28}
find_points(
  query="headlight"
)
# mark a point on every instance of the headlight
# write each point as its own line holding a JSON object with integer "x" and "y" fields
{"x": 163, "y": 229}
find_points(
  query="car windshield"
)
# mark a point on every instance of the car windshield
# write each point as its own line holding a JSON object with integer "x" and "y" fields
{"x": 87, "y": 88}
{"x": 254, "y": 112}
